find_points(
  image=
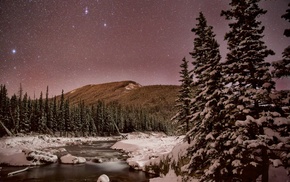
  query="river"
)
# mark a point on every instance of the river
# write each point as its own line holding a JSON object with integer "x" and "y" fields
{"x": 114, "y": 166}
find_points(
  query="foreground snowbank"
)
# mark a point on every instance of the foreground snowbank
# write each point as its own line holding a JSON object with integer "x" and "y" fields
{"x": 167, "y": 156}
{"x": 148, "y": 150}
{"x": 26, "y": 151}
{"x": 142, "y": 147}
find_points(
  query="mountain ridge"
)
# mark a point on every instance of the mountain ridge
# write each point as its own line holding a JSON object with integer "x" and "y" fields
{"x": 159, "y": 100}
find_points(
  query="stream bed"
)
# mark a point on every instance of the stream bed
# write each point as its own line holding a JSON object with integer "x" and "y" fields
{"x": 114, "y": 166}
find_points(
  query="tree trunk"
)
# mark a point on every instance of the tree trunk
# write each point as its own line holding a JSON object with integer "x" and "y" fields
{"x": 6, "y": 129}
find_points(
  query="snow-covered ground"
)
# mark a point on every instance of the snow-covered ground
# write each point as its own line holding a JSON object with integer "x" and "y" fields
{"x": 146, "y": 149}
{"x": 15, "y": 150}
{"x": 150, "y": 149}
{"x": 142, "y": 147}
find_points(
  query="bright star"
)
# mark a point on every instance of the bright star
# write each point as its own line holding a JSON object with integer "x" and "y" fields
{"x": 86, "y": 10}
{"x": 13, "y": 51}
{"x": 105, "y": 24}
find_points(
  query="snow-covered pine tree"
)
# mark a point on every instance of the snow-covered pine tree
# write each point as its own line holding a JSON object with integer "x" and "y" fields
{"x": 184, "y": 98}
{"x": 54, "y": 115}
{"x": 282, "y": 67}
{"x": 48, "y": 113}
{"x": 205, "y": 104}
{"x": 67, "y": 118}
{"x": 206, "y": 69}
{"x": 24, "y": 117}
{"x": 254, "y": 127}
{"x": 61, "y": 115}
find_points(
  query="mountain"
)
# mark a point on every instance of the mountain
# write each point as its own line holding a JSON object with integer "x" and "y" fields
{"x": 159, "y": 100}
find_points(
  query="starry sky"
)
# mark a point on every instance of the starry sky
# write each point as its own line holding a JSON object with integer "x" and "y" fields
{"x": 66, "y": 44}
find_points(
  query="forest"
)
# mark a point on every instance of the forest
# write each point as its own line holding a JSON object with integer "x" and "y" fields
{"x": 22, "y": 115}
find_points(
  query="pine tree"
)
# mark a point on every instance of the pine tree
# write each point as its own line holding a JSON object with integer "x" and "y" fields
{"x": 42, "y": 127}
{"x": 67, "y": 119}
{"x": 206, "y": 69}
{"x": 24, "y": 116}
{"x": 246, "y": 143}
{"x": 282, "y": 67}
{"x": 14, "y": 114}
{"x": 4, "y": 110}
{"x": 48, "y": 113}
{"x": 54, "y": 116}
{"x": 205, "y": 105}
{"x": 184, "y": 98}
{"x": 35, "y": 116}
{"x": 61, "y": 114}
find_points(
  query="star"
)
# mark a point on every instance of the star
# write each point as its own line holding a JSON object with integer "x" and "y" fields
{"x": 86, "y": 10}
{"x": 105, "y": 24}
{"x": 13, "y": 51}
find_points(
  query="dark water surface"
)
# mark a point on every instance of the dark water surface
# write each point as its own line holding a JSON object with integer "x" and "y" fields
{"x": 117, "y": 170}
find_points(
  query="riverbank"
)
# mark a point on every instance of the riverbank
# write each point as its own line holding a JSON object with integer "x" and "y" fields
{"x": 144, "y": 149}
{"x": 166, "y": 156}
{"x": 12, "y": 149}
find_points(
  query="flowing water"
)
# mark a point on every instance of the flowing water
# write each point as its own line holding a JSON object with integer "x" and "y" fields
{"x": 114, "y": 166}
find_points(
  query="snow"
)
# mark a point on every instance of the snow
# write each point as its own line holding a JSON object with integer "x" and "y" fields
{"x": 281, "y": 121}
{"x": 103, "y": 178}
{"x": 14, "y": 158}
{"x": 151, "y": 149}
{"x": 171, "y": 177}
{"x": 39, "y": 157}
{"x": 276, "y": 162}
{"x": 142, "y": 147}
{"x": 70, "y": 159}
{"x": 132, "y": 86}
{"x": 26, "y": 151}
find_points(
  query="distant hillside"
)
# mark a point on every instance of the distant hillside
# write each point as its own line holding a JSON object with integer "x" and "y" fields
{"x": 159, "y": 100}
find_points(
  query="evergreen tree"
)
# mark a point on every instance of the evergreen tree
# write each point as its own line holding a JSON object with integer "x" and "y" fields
{"x": 205, "y": 105}
{"x": 4, "y": 110}
{"x": 42, "y": 128}
{"x": 48, "y": 113}
{"x": 24, "y": 116}
{"x": 282, "y": 67}
{"x": 14, "y": 114}
{"x": 90, "y": 121}
{"x": 67, "y": 119}
{"x": 54, "y": 116}
{"x": 61, "y": 115}
{"x": 35, "y": 116}
{"x": 184, "y": 98}
{"x": 208, "y": 84}
{"x": 243, "y": 149}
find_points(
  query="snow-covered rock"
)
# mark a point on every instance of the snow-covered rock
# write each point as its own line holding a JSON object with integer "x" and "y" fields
{"x": 103, "y": 178}
{"x": 70, "y": 159}
{"x": 39, "y": 157}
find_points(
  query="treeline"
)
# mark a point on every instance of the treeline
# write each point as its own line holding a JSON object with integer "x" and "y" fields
{"x": 21, "y": 114}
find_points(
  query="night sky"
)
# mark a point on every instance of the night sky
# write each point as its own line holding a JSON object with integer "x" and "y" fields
{"x": 66, "y": 44}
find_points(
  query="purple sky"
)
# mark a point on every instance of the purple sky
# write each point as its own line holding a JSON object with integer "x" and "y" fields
{"x": 67, "y": 44}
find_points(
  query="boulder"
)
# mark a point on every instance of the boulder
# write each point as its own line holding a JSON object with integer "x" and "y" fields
{"x": 39, "y": 157}
{"x": 70, "y": 159}
{"x": 103, "y": 178}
